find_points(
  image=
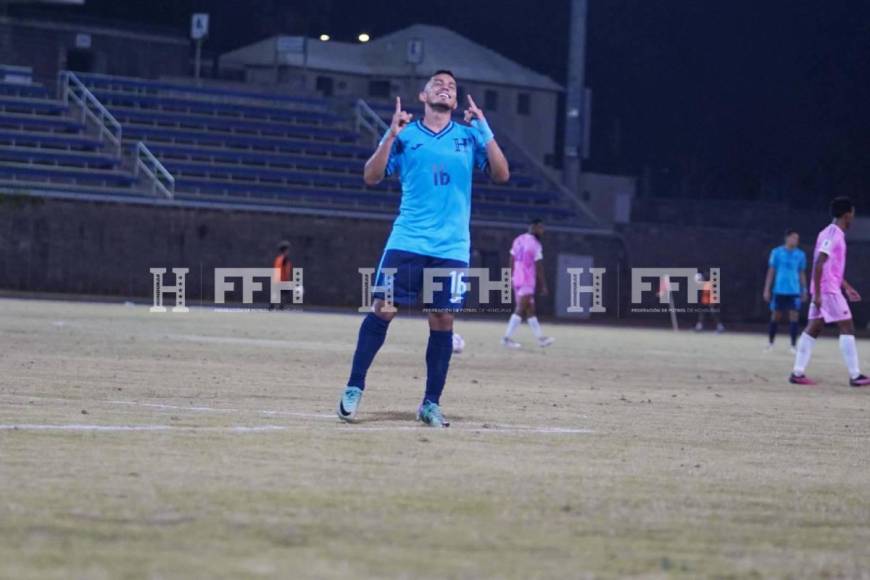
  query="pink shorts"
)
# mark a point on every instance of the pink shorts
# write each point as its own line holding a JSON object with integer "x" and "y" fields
{"x": 834, "y": 308}
{"x": 521, "y": 291}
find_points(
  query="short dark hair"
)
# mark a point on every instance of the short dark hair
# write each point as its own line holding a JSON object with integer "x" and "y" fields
{"x": 443, "y": 71}
{"x": 840, "y": 206}
{"x": 283, "y": 245}
{"x": 536, "y": 221}
{"x": 789, "y": 232}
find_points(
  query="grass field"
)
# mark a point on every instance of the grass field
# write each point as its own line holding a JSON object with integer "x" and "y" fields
{"x": 138, "y": 445}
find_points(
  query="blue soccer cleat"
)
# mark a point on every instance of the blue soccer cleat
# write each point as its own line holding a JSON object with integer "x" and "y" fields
{"x": 430, "y": 413}
{"x": 349, "y": 403}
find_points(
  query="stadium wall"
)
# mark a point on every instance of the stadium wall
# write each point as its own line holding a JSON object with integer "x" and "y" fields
{"x": 52, "y": 46}
{"x": 107, "y": 248}
{"x": 741, "y": 255}
{"x": 102, "y": 248}
{"x": 729, "y": 214}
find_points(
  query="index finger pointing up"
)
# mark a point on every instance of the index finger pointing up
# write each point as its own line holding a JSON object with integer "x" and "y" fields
{"x": 471, "y": 101}
{"x": 398, "y": 104}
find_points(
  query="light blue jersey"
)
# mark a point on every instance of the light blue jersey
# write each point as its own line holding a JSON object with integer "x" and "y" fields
{"x": 435, "y": 170}
{"x": 788, "y": 265}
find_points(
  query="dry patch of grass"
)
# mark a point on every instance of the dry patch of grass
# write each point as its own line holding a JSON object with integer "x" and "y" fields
{"x": 701, "y": 460}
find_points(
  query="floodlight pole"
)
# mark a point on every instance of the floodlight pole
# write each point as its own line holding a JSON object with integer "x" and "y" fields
{"x": 575, "y": 120}
{"x": 197, "y": 58}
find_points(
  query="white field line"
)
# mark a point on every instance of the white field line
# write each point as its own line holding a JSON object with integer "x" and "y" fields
{"x": 115, "y": 428}
{"x": 221, "y": 409}
{"x": 272, "y": 428}
{"x": 247, "y": 341}
{"x": 490, "y": 427}
{"x": 241, "y": 340}
{"x": 198, "y": 408}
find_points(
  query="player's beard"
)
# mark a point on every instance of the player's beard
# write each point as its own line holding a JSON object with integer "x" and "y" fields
{"x": 439, "y": 107}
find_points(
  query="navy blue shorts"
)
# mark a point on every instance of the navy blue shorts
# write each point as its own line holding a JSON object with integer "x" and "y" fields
{"x": 785, "y": 302}
{"x": 447, "y": 280}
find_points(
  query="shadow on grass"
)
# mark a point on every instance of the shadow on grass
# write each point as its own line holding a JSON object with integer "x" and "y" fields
{"x": 387, "y": 416}
{"x": 393, "y": 417}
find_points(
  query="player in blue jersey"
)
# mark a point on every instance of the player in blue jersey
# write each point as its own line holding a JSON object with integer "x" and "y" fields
{"x": 786, "y": 272}
{"x": 434, "y": 159}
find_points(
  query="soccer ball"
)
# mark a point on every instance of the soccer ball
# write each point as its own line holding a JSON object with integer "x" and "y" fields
{"x": 458, "y": 343}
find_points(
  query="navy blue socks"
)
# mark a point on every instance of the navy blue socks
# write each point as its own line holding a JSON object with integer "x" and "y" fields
{"x": 793, "y": 330}
{"x": 771, "y": 331}
{"x": 372, "y": 333}
{"x": 438, "y": 355}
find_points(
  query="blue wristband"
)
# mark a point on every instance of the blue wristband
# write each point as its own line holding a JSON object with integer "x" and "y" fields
{"x": 483, "y": 127}
{"x": 385, "y": 137}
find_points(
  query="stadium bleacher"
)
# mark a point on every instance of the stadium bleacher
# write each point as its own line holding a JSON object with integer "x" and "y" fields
{"x": 227, "y": 145}
{"x": 43, "y": 145}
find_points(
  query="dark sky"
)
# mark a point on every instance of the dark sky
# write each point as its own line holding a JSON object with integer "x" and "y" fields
{"x": 719, "y": 99}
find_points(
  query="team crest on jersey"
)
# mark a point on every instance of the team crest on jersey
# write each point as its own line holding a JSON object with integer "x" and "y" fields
{"x": 461, "y": 144}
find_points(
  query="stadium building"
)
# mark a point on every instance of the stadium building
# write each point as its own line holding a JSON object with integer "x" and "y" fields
{"x": 522, "y": 102}
{"x": 46, "y": 47}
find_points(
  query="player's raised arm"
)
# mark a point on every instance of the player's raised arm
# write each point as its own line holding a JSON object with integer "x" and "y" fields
{"x": 376, "y": 166}
{"x": 499, "y": 170}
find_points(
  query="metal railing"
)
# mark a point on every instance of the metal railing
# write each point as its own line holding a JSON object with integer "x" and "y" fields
{"x": 145, "y": 162}
{"x": 544, "y": 173}
{"x": 73, "y": 90}
{"x": 367, "y": 118}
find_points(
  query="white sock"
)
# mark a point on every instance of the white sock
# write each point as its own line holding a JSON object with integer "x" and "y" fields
{"x": 850, "y": 354}
{"x": 513, "y": 323}
{"x": 535, "y": 326}
{"x": 804, "y": 352}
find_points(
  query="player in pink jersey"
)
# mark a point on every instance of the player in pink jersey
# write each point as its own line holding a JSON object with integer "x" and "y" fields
{"x": 828, "y": 304}
{"x": 528, "y": 275}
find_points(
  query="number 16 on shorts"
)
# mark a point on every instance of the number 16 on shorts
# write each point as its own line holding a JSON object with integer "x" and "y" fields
{"x": 458, "y": 286}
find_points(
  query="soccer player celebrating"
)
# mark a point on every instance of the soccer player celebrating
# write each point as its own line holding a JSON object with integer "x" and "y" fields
{"x": 434, "y": 159}
{"x": 828, "y": 304}
{"x": 528, "y": 273}
{"x": 786, "y": 271}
